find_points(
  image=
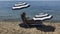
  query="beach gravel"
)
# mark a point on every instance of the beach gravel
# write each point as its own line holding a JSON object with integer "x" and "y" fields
{"x": 14, "y": 28}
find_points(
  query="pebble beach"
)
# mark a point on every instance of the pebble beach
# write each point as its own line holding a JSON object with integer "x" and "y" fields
{"x": 14, "y": 28}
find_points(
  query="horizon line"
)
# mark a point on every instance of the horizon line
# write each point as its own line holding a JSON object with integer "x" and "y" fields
{"x": 30, "y": 0}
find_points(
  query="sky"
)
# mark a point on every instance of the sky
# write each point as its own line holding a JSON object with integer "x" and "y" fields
{"x": 29, "y": 0}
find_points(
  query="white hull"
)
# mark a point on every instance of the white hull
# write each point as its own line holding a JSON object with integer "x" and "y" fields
{"x": 19, "y": 7}
{"x": 42, "y": 15}
{"x": 20, "y": 4}
{"x": 44, "y": 18}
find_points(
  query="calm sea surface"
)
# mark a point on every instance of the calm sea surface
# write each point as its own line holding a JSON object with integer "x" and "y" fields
{"x": 50, "y": 7}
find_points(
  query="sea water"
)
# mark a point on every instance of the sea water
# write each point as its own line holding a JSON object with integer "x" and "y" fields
{"x": 36, "y": 7}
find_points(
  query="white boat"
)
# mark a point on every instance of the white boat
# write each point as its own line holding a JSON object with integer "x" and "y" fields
{"x": 20, "y": 4}
{"x": 41, "y": 15}
{"x": 43, "y": 18}
{"x": 20, "y": 7}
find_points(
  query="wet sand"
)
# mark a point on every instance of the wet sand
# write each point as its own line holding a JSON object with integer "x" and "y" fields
{"x": 7, "y": 27}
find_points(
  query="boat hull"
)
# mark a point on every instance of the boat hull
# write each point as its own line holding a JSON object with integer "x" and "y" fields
{"x": 20, "y": 7}
{"x": 44, "y": 18}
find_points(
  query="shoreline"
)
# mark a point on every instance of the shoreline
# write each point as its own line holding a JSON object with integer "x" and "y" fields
{"x": 18, "y": 20}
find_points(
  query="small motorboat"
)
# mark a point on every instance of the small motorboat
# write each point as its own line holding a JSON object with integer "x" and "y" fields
{"x": 20, "y": 4}
{"x": 42, "y": 17}
{"x": 20, "y": 7}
